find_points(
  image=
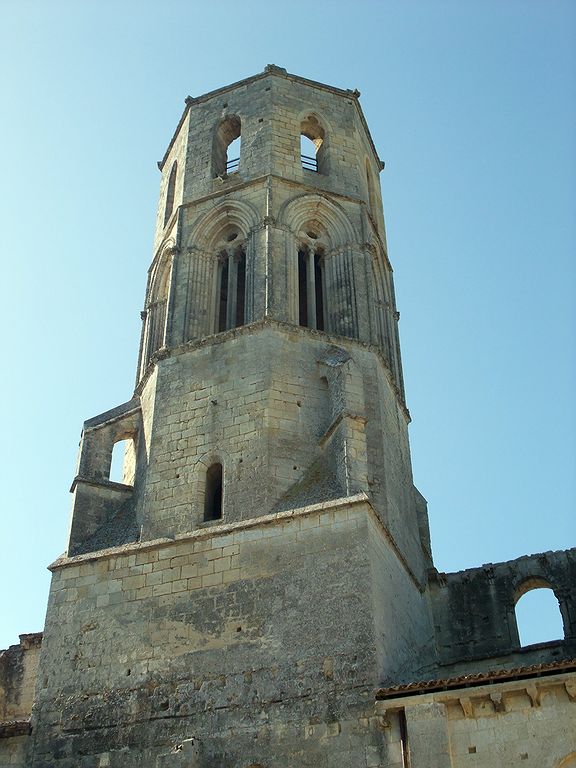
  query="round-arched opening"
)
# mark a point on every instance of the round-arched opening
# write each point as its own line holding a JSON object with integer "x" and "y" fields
{"x": 538, "y": 615}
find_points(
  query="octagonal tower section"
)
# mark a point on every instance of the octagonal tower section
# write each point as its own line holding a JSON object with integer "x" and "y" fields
{"x": 267, "y": 533}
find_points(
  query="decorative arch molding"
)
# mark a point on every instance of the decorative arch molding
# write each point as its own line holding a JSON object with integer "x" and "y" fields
{"x": 567, "y": 762}
{"x": 530, "y": 583}
{"x": 321, "y": 119}
{"x": 161, "y": 269}
{"x": 211, "y": 228}
{"x": 300, "y": 211}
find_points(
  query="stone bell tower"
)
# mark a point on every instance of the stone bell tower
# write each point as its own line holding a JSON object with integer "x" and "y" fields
{"x": 262, "y": 566}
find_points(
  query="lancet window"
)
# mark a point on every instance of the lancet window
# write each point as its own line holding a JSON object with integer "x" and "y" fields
{"x": 227, "y": 146}
{"x": 231, "y": 289}
{"x": 313, "y": 145}
{"x": 311, "y": 287}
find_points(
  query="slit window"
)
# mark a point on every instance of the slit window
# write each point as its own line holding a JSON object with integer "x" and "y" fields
{"x": 213, "y": 493}
{"x": 170, "y": 193}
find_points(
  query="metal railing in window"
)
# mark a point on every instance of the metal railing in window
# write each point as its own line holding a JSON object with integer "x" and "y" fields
{"x": 310, "y": 163}
{"x": 232, "y": 165}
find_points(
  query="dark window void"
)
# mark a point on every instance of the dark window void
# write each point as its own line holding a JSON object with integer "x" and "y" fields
{"x": 319, "y": 288}
{"x": 170, "y": 193}
{"x": 223, "y": 296}
{"x": 240, "y": 289}
{"x": 232, "y": 290}
{"x": 302, "y": 289}
{"x": 213, "y": 493}
{"x": 538, "y": 617}
{"x": 310, "y": 290}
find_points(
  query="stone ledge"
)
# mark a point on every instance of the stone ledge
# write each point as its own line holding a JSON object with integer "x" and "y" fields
{"x": 10, "y": 728}
{"x": 214, "y": 530}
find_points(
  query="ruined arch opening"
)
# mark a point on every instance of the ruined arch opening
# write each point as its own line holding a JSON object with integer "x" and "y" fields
{"x": 226, "y": 150}
{"x": 213, "y": 492}
{"x": 313, "y": 145}
{"x": 538, "y": 614}
{"x": 122, "y": 465}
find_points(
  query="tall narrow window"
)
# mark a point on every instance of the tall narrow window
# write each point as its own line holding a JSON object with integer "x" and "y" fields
{"x": 319, "y": 288}
{"x": 226, "y": 147}
{"x": 313, "y": 145}
{"x": 233, "y": 155}
{"x": 240, "y": 289}
{"x": 223, "y": 294}
{"x": 213, "y": 493}
{"x": 170, "y": 193}
{"x": 119, "y": 471}
{"x": 302, "y": 289}
{"x": 310, "y": 289}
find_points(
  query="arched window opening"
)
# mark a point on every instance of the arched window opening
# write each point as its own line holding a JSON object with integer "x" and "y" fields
{"x": 310, "y": 289}
{"x": 538, "y": 616}
{"x": 213, "y": 493}
{"x": 120, "y": 472}
{"x": 227, "y": 147}
{"x": 170, "y": 193}
{"x": 312, "y": 145}
{"x": 223, "y": 293}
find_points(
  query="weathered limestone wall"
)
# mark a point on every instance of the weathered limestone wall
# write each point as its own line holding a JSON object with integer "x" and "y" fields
{"x": 526, "y": 723}
{"x": 249, "y": 638}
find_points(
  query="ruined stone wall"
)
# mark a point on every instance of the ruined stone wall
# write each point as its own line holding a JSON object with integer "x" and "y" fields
{"x": 475, "y": 618}
{"x": 18, "y": 677}
{"x": 18, "y": 670}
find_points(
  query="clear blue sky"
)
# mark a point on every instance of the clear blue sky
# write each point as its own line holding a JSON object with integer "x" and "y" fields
{"x": 471, "y": 104}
